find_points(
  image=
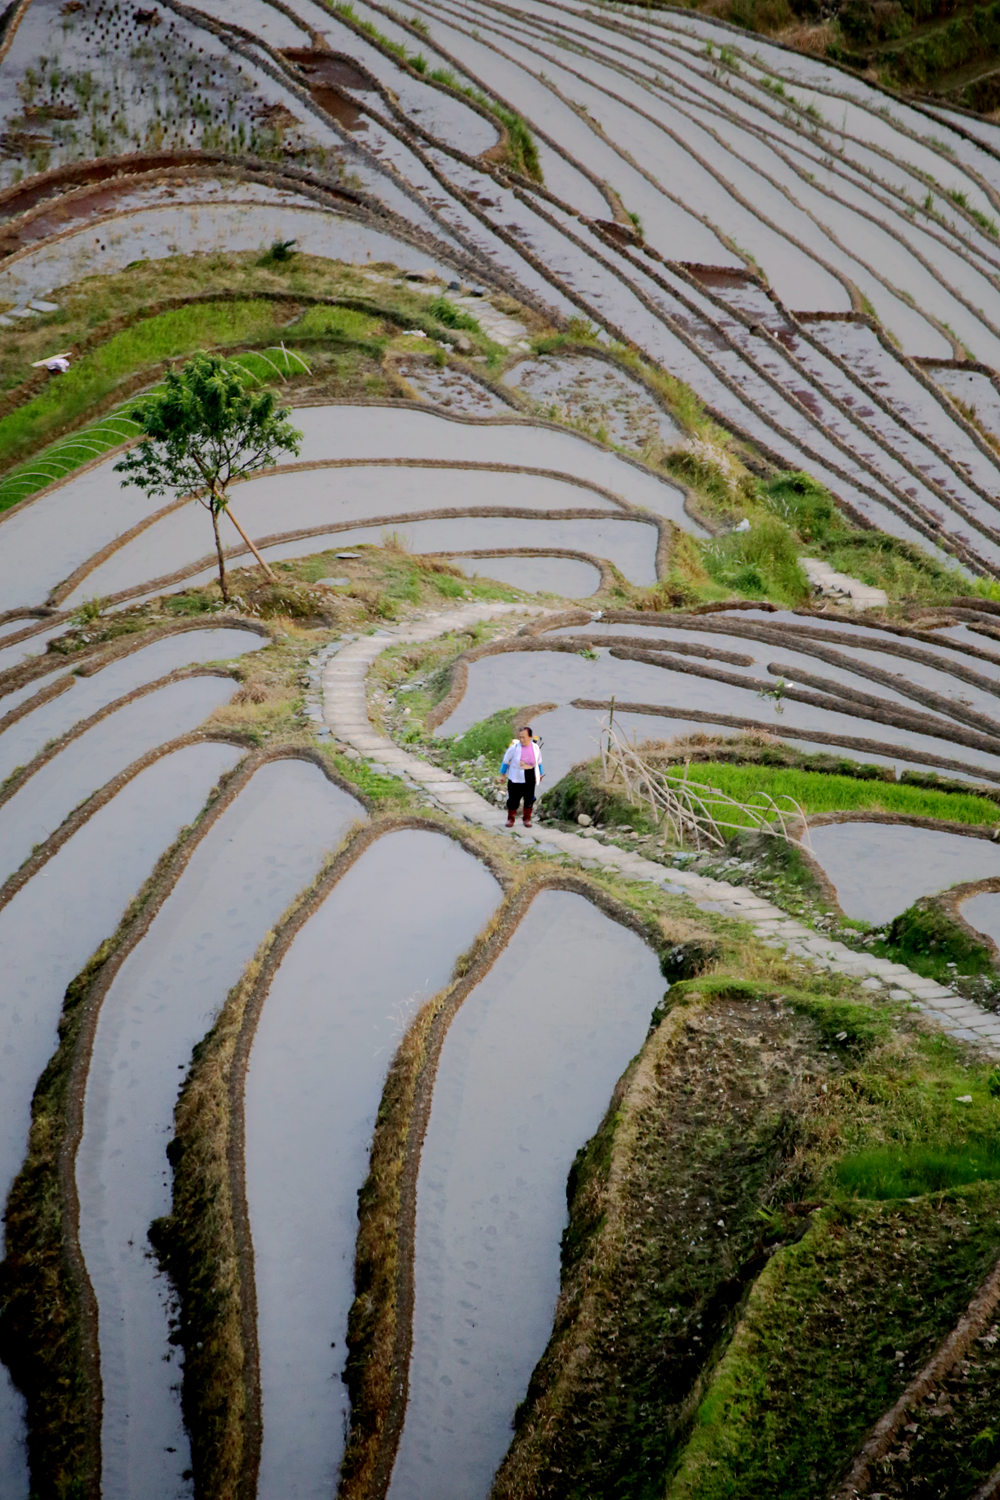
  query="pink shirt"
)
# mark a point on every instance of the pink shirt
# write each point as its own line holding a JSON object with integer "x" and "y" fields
{"x": 528, "y": 755}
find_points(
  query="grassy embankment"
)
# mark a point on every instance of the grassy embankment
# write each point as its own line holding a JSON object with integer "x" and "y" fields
{"x": 337, "y": 349}
{"x": 786, "y": 1209}
{"x": 346, "y": 348}
{"x": 815, "y": 791}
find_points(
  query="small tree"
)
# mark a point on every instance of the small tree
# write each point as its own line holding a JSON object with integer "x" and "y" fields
{"x": 206, "y": 427}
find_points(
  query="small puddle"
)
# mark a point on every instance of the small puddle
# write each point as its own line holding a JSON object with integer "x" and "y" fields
{"x": 879, "y": 869}
{"x": 526, "y": 1072}
{"x": 42, "y": 956}
{"x": 92, "y": 760}
{"x": 327, "y": 77}
{"x": 263, "y": 850}
{"x": 329, "y": 68}
{"x": 326, "y": 1036}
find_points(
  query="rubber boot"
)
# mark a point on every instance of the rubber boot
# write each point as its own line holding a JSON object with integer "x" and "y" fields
{"x": 526, "y": 819}
{"x": 510, "y": 817}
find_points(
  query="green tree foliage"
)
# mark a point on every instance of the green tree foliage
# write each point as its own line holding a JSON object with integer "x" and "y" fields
{"x": 209, "y": 425}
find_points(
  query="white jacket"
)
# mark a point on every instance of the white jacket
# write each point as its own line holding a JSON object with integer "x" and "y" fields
{"x": 512, "y": 767}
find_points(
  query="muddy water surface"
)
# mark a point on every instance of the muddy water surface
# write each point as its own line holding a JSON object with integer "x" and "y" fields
{"x": 265, "y": 847}
{"x": 452, "y": 388}
{"x": 880, "y": 869}
{"x": 88, "y": 762}
{"x": 975, "y": 390}
{"x": 41, "y": 956}
{"x": 597, "y": 393}
{"x": 326, "y": 497}
{"x": 553, "y": 575}
{"x": 525, "y": 1076}
{"x": 335, "y": 1011}
{"x": 27, "y": 736}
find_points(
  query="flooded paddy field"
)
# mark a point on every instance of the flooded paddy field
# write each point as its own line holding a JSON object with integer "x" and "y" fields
{"x": 264, "y": 848}
{"x": 320, "y": 1054}
{"x": 24, "y": 738}
{"x": 596, "y": 394}
{"x": 525, "y": 1072}
{"x": 859, "y": 691}
{"x": 97, "y": 756}
{"x": 40, "y": 961}
{"x": 626, "y": 541}
{"x": 983, "y": 913}
{"x": 159, "y": 231}
{"x": 878, "y": 870}
{"x": 566, "y": 576}
{"x": 629, "y": 311}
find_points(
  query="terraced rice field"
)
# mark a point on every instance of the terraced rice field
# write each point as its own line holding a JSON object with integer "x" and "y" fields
{"x": 594, "y": 319}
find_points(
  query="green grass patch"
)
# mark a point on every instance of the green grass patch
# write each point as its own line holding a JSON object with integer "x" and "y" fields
{"x": 887, "y": 1172}
{"x": 925, "y": 938}
{"x": 451, "y": 316}
{"x": 820, "y": 792}
{"x": 348, "y": 323}
{"x": 834, "y": 1328}
{"x": 94, "y": 376}
{"x": 489, "y": 738}
{"x": 63, "y": 457}
{"x": 385, "y": 792}
{"x": 762, "y": 563}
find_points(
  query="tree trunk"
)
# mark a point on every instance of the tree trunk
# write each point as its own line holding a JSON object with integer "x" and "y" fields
{"x": 222, "y": 561}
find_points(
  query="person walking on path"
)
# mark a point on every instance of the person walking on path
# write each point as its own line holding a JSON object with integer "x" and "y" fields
{"x": 522, "y": 768}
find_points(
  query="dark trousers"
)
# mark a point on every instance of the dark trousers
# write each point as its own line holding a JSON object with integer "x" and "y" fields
{"x": 518, "y": 789}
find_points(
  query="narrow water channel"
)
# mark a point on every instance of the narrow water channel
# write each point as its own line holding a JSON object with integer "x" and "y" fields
{"x": 524, "y": 1079}
{"x": 385, "y": 939}
{"x": 264, "y": 849}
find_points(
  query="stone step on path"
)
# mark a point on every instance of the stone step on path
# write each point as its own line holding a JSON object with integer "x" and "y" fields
{"x": 342, "y": 673}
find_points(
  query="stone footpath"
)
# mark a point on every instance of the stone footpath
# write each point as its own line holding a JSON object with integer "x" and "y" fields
{"x": 826, "y": 580}
{"x": 342, "y": 671}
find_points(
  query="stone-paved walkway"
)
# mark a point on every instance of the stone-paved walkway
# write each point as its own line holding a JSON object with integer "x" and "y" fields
{"x": 344, "y": 669}
{"x": 839, "y": 586}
